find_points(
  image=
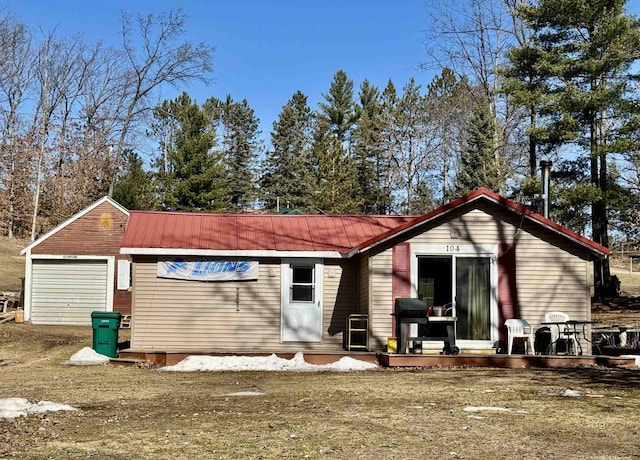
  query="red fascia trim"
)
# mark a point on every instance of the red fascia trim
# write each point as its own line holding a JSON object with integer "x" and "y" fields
{"x": 494, "y": 197}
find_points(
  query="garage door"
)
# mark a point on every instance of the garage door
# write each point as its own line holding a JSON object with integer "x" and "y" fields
{"x": 67, "y": 291}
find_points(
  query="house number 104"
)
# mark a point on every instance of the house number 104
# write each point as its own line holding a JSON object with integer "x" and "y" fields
{"x": 453, "y": 248}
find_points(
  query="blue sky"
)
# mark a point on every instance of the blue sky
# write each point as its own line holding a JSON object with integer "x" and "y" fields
{"x": 266, "y": 50}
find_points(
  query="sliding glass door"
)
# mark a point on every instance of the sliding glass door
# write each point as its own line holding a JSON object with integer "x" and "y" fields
{"x": 463, "y": 282}
{"x": 473, "y": 298}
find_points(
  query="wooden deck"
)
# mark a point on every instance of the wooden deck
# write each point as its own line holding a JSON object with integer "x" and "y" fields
{"x": 501, "y": 361}
{"x": 168, "y": 358}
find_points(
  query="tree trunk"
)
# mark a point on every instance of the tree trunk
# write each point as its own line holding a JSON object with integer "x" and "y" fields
{"x": 533, "y": 156}
{"x": 603, "y": 286}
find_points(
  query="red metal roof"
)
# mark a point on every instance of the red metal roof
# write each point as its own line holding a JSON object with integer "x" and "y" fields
{"x": 250, "y": 232}
{"x": 344, "y": 234}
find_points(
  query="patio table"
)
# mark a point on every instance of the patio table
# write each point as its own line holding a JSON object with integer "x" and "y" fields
{"x": 571, "y": 329}
{"x": 583, "y": 324}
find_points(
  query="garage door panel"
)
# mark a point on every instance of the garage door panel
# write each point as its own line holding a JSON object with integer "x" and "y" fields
{"x": 66, "y": 292}
{"x": 80, "y": 317}
{"x": 76, "y": 292}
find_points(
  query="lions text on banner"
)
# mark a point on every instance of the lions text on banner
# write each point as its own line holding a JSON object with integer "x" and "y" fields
{"x": 209, "y": 270}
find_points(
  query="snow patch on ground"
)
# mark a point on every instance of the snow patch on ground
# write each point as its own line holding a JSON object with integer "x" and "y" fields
{"x": 87, "y": 357}
{"x": 486, "y": 409}
{"x": 18, "y": 407}
{"x": 571, "y": 393}
{"x": 636, "y": 357}
{"x": 265, "y": 363}
{"x": 476, "y": 409}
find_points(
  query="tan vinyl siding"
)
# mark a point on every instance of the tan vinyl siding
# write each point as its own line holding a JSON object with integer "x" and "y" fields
{"x": 339, "y": 300}
{"x": 178, "y": 315}
{"x": 229, "y": 316}
{"x": 550, "y": 279}
{"x": 551, "y": 274}
{"x": 474, "y": 227}
{"x": 380, "y": 320}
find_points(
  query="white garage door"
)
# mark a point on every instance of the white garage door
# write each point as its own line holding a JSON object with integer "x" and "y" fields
{"x": 67, "y": 291}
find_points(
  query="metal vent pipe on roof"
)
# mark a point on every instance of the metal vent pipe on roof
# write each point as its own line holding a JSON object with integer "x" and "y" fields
{"x": 545, "y": 167}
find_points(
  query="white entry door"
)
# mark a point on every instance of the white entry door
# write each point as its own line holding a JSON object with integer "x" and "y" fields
{"x": 302, "y": 300}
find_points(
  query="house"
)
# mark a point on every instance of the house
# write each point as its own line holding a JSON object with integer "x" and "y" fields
{"x": 283, "y": 283}
{"x": 76, "y": 268}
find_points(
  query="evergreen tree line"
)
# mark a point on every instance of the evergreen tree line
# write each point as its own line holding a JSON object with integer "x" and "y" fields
{"x": 517, "y": 82}
{"x": 369, "y": 151}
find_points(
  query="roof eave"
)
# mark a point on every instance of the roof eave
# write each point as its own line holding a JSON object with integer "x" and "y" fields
{"x": 257, "y": 253}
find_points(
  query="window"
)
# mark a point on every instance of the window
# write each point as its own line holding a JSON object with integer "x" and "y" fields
{"x": 302, "y": 283}
{"x": 124, "y": 275}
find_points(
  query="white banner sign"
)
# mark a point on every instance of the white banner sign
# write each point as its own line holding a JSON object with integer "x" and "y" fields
{"x": 209, "y": 270}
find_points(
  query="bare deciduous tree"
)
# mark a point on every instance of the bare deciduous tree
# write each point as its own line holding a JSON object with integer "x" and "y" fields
{"x": 412, "y": 144}
{"x": 153, "y": 56}
{"x": 471, "y": 38}
{"x": 16, "y": 73}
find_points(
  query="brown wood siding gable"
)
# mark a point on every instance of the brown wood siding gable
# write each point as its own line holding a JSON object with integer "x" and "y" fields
{"x": 99, "y": 232}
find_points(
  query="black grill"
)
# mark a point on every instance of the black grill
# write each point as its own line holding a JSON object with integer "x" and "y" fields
{"x": 411, "y": 308}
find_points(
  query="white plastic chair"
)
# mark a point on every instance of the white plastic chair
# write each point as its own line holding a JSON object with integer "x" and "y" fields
{"x": 559, "y": 330}
{"x": 519, "y": 328}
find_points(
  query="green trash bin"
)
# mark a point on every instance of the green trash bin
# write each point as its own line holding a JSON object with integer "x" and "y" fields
{"x": 105, "y": 332}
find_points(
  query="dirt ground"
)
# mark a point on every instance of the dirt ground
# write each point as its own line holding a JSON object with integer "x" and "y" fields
{"x": 624, "y": 310}
{"x": 144, "y": 413}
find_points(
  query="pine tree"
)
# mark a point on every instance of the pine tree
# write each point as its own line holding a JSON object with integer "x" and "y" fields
{"x": 480, "y": 163}
{"x": 526, "y": 84}
{"x": 240, "y": 148}
{"x": 590, "y": 47}
{"x": 385, "y": 163}
{"x": 369, "y": 152}
{"x": 339, "y": 111}
{"x": 287, "y": 174}
{"x": 336, "y": 174}
{"x": 134, "y": 188}
{"x": 191, "y": 179}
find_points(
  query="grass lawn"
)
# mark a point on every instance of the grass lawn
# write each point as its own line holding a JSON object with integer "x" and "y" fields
{"x": 143, "y": 413}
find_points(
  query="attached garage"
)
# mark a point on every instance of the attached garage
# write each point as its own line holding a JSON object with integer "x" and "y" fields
{"x": 76, "y": 268}
{"x": 67, "y": 291}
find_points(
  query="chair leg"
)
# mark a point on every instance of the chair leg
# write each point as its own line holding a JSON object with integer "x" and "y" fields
{"x": 532, "y": 349}
{"x": 510, "y": 345}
